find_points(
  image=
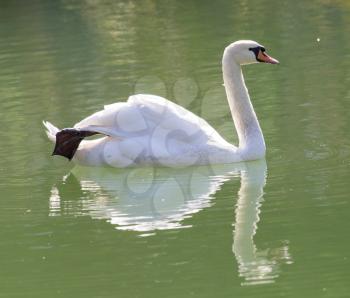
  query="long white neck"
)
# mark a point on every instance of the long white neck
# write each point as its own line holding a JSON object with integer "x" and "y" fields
{"x": 251, "y": 139}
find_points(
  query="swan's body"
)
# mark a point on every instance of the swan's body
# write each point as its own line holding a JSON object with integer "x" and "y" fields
{"x": 149, "y": 129}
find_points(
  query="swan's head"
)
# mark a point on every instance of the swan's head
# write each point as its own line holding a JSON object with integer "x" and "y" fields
{"x": 248, "y": 52}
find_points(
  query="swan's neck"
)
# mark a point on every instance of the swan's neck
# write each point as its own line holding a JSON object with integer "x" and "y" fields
{"x": 251, "y": 139}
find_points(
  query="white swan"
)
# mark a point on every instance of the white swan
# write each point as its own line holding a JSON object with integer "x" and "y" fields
{"x": 149, "y": 129}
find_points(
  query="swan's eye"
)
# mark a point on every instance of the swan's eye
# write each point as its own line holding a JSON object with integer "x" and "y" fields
{"x": 256, "y": 51}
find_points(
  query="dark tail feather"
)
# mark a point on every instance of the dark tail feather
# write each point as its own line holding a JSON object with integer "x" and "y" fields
{"x": 68, "y": 140}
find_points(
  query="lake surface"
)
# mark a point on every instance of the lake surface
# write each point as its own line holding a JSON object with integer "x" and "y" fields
{"x": 274, "y": 228}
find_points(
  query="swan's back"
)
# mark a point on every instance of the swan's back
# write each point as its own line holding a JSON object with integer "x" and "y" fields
{"x": 148, "y": 129}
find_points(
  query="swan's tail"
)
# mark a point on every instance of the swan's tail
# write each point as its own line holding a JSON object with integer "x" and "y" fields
{"x": 51, "y": 131}
{"x": 66, "y": 140}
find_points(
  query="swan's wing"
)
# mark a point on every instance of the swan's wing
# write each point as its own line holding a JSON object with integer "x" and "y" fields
{"x": 117, "y": 120}
{"x": 162, "y": 114}
{"x": 149, "y": 115}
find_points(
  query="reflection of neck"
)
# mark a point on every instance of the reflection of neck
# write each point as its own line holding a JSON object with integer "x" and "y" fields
{"x": 247, "y": 211}
{"x": 251, "y": 139}
{"x": 251, "y": 265}
{"x": 255, "y": 266}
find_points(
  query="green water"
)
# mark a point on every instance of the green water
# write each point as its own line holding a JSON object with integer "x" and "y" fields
{"x": 274, "y": 229}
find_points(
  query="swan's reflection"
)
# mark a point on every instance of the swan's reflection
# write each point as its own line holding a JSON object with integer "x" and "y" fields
{"x": 143, "y": 199}
{"x": 149, "y": 199}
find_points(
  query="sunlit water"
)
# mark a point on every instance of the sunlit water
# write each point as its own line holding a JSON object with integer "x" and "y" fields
{"x": 262, "y": 229}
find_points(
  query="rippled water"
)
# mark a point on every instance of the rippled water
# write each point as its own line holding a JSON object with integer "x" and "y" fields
{"x": 262, "y": 229}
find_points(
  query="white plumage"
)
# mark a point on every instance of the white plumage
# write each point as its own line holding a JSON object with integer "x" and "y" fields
{"x": 148, "y": 129}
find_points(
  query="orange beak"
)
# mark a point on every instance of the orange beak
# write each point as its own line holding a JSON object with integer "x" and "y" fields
{"x": 263, "y": 57}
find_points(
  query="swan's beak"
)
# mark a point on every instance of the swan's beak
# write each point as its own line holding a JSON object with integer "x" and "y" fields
{"x": 262, "y": 56}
